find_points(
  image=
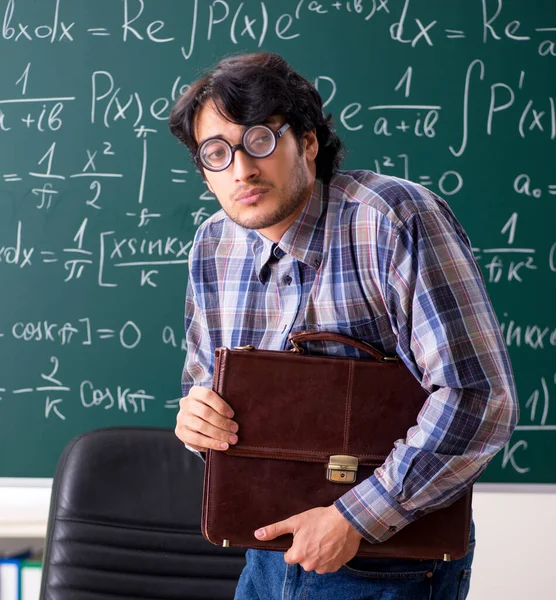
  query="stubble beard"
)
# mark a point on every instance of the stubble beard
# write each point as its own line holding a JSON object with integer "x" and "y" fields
{"x": 296, "y": 194}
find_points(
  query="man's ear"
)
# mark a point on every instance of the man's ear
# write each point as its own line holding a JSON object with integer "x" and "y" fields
{"x": 311, "y": 144}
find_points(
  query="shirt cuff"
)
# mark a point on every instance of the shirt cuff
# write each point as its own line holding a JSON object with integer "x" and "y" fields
{"x": 201, "y": 455}
{"x": 372, "y": 511}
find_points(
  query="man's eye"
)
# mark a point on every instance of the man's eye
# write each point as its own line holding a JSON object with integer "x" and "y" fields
{"x": 214, "y": 154}
{"x": 261, "y": 140}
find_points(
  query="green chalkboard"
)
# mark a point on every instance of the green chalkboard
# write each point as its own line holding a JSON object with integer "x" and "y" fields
{"x": 99, "y": 203}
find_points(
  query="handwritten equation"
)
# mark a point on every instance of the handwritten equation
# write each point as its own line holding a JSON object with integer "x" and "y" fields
{"x": 99, "y": 204}
{"x": 534, "y": 418}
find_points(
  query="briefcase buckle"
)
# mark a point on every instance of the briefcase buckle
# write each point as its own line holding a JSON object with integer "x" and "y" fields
{"x": 342, "y": 469}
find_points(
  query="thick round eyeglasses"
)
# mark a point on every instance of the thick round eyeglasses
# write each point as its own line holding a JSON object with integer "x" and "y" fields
{"x": 258, "y": 141}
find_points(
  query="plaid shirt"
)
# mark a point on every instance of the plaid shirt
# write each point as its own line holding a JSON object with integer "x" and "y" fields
{"x": 384, "y": 260}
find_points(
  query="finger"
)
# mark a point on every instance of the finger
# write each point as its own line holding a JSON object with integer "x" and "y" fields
{"x": 197, "y": 448}
{"x": 207, "y": 414}
{"x": 269, "y": 532}
{"x": 213, "y": 400}
{"x": 182, "y": 434}
{"x": 290, "y": 558}
{"x": 198, "y": 425}
{"x": 201, "y": 442}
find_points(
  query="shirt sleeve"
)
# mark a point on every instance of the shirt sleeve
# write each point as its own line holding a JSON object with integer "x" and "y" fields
{"x": 198, "y": 366}
{"x": 449, "y": 337}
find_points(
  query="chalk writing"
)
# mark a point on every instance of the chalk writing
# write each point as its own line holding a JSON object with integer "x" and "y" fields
{"x": 99, "y": 204}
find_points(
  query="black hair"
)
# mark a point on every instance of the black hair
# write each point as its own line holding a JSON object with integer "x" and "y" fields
{"x": 249, "y": 88}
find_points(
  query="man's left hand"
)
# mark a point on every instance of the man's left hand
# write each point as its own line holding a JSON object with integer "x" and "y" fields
{"x": 322, "y": 539}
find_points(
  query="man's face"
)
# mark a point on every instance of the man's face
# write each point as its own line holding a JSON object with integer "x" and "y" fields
{"x": 267, "y": 193}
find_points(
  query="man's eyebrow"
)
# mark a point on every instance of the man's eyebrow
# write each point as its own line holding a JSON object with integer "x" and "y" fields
{"x": 272, "y": 120}
{"x": 217, "y": 136}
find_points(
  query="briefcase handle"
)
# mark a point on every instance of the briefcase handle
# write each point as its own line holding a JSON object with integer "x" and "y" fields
{"x": 310, "y": 335}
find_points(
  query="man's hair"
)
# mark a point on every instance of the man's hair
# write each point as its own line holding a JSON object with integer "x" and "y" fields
{"x": 247, "y": 89}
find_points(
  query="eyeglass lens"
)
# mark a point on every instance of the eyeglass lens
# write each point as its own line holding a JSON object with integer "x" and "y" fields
{"x": 258, "y": 141}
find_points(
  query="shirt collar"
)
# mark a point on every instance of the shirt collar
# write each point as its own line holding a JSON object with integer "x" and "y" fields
{"x": 303, "y": 240}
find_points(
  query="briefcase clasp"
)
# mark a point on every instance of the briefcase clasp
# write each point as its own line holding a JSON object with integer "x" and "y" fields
{"x": 342, "y": 469}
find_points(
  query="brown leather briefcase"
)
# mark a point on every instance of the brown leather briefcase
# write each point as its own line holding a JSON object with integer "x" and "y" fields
{"x": 311, "y": 427}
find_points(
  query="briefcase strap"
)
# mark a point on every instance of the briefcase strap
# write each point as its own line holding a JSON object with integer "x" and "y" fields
{"x": 308, "y": 335}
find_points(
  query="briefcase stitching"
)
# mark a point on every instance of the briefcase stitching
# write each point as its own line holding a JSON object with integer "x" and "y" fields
{"x": 206, "y": 503}
{"x": 349, "y": 392}
{"x": 290, "y": 454}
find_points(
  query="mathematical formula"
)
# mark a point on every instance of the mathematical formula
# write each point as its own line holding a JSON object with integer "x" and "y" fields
{"x": 99, "y": 203}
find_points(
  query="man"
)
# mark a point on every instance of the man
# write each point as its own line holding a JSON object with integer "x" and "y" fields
{"x": 302, "y": 245}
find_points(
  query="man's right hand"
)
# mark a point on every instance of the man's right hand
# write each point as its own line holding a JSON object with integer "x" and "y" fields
{"x": 205, "y": 421}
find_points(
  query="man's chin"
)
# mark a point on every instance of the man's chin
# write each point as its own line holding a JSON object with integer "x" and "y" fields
{"x": 257, "y": 221}
{"x": 256, "y": 224}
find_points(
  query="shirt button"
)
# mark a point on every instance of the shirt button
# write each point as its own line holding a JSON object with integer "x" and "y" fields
{"x": 287, "y": 280}
{"x": 393, "y": 528}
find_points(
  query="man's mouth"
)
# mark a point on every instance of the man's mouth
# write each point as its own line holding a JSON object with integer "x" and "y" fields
{"x": 251, "y": 196}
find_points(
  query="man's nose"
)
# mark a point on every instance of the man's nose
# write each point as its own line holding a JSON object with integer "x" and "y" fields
{"x": 245, "y": 167}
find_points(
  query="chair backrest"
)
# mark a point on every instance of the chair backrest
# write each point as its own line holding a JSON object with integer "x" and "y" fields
{"x": 125, "y": 522}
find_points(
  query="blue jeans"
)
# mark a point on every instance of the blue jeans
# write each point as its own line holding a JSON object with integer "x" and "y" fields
{"x": 267, "y": 577}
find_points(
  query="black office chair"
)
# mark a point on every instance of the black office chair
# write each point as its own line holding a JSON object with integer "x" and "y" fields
{"x": 125, "y": 522}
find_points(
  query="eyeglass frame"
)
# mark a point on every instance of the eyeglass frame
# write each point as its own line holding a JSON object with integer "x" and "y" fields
{"x": 277, "y": 135}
